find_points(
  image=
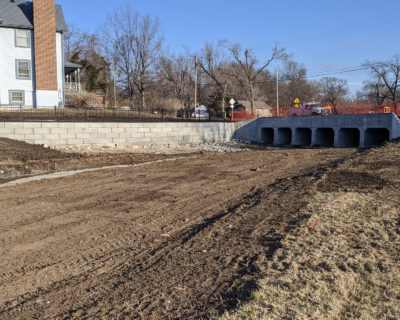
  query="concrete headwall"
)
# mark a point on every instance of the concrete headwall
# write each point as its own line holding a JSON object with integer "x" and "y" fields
{"x": 333, "y": 131}
{"x": 90, "y": 133}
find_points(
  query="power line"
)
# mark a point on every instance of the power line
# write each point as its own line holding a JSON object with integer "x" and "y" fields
{"x": 339, "y": 71}
{"x": 344, "y": 30}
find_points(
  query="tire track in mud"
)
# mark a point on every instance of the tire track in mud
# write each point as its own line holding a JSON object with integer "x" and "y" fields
{"x": 210, "y": 265}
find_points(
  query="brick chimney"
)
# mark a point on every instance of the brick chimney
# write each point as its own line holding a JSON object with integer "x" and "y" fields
{"x": 44, "y": 28}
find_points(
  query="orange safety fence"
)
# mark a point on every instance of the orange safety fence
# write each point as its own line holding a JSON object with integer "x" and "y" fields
{"x": 351, "y": 108}
{"x": 243, "y": 115}
{"x": 367, "y": 108}
{"x": 341, "y": 108}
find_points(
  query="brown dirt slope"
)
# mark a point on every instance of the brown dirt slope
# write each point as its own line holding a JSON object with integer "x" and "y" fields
{"x": 173, "y": 240}
{"x": 343, "y": 261}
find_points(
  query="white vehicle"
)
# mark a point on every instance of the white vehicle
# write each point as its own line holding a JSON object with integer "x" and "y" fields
{"x": 201, "y": 112}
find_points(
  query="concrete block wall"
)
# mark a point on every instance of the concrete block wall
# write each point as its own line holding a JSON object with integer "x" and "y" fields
{"x": 90, "y": 133}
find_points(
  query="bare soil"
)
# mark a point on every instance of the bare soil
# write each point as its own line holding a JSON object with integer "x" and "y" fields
{"x": 186, "y": 239}
{"x": 19, "y": 159}
{"x": 343, "y": 260}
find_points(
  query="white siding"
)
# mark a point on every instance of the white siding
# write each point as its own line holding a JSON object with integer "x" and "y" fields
{"x": 8, "y": 80}
{"x": 60, "y": 65}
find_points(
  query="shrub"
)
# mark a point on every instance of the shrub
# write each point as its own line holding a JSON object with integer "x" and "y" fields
{"x": 81, "y": 99}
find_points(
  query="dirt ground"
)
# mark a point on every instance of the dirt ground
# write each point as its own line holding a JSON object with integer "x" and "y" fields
{"x": 184, "y": 239}
{"x": 19, "y": 159}
{"x": 343, "y": 260}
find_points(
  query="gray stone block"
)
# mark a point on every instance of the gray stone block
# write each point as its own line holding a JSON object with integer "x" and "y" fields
{"x": 59, "y": 130}
{"x": 41, "y": 130}
{"x": 49, "y": 124}
{"x": 32, "y": 125}
{"x": 82, "y": 136}
{"x": 4, "y": 131}
{"x": 66, "y": 125}
{"x": 23, "y": 131}
{"x": 51, "y": 136}
{"x": 28, "y": 137}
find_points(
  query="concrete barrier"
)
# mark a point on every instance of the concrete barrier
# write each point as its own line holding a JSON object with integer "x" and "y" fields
{"x": 331, "y": 131}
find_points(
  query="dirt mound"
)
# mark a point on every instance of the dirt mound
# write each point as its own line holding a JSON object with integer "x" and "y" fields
{"x": 348, "y": 180}
{"x": 19, "y": 159}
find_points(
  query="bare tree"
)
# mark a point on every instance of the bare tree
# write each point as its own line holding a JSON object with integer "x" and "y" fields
{"x": 133, "y": 43}
{"x": 177, "y": 71}
{"x": 334, "y": 90}
{"x": 74, "y": 41}
{"x": 245, "y": 68}
{"x": 84, "y": 48}
{"x": 147, "y": 48}
{"x": 385, "y": 84}
{"x": 213, "y": 63}
{"x": 294, "y": 83}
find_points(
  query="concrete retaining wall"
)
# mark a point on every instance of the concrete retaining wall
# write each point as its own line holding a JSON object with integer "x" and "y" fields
{"x": 330, "y": 131}
{"x": 90, "y": 133}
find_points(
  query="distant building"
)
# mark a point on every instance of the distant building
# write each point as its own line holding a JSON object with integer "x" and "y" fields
{"x": 261, "y": 108}
{"x": 32, "y": 69}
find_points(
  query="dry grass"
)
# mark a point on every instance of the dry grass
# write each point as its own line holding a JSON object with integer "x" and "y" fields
{"x": 341, "y": 263}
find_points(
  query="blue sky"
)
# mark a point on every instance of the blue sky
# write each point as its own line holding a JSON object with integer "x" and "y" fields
{"x": 323, "y": 35}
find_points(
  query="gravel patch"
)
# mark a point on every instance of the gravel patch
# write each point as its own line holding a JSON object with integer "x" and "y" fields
{"x": 220, "y": 147}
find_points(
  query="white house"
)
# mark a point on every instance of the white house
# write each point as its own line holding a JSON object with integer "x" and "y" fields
{"x": 32, "y": 70}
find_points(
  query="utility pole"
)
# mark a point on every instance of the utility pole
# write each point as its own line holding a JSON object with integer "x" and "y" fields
{"x": 196, "y": 59}
{"x": 115, "y": 95}
{"x": 223, "y": 101}
{"x": 277, "y": 92}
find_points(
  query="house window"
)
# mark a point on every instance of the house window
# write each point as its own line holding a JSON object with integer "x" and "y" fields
{"x": 17, "y": 97}
{"x": 22, "y": 38}
{"x": 23, "y": 68}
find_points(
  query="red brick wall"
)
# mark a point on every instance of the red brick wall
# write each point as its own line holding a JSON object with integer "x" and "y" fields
{"x": 44, "y": 27}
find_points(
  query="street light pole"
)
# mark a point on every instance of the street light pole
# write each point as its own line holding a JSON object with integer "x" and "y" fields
{"x": 115, "y": 96}
{"x": 195, "y": 84}
{"x": 277, "y": 92}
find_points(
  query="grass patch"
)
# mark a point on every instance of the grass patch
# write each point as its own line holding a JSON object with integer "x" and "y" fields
{"x": 342, "y": 263}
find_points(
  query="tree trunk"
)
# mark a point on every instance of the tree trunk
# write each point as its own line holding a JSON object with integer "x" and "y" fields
{"x": 223, "y": 100}
{"x": 251, "y": 97}
{"x": 142, "y": 99}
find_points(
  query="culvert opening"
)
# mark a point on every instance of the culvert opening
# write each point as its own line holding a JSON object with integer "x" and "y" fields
{"x": 376, "y": 136}
{"x": 267, "y": 135}
{"x": 284, "y": 136}
{"x": 324, "y": 137}
{"x": 349, "y": 138}
{"x": 303, "y": 137}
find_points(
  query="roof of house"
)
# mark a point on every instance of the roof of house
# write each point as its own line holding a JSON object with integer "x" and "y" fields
{"x": 19, "y": 14}
{"x": 70, "y": 67}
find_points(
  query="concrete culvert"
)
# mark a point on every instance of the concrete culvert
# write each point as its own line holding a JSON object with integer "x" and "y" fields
{"x": 267, "y": 135}
{"x": 284, "y": 136}
{"x": 303, "y": 137}
{"x": 349, "y": 138}
{"x": 376, "y": 136}
{"x": 324, "y": 137}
